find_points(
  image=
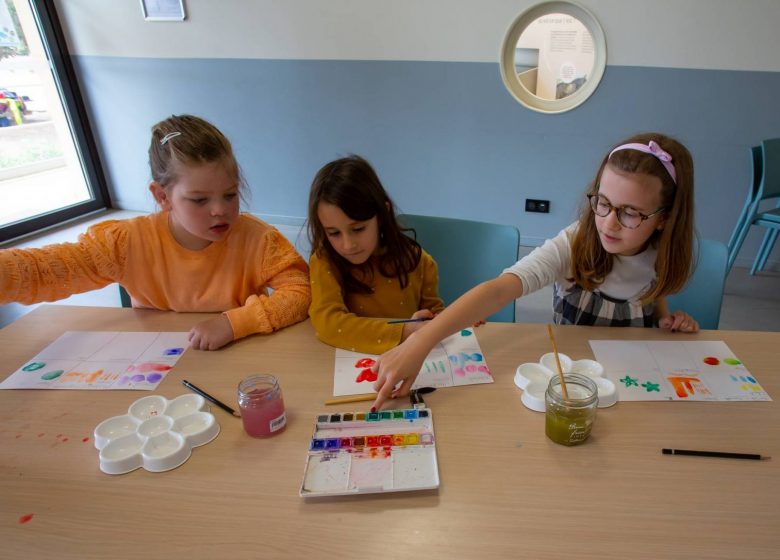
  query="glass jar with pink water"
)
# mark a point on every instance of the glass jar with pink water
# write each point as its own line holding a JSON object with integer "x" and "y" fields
{"x": 262, "y": 407}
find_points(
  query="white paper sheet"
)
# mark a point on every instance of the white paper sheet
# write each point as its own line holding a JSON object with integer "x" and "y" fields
{"x": 678, "y": 371}
{"x": 101, "y": 360}
{"x": 457, "y": 360}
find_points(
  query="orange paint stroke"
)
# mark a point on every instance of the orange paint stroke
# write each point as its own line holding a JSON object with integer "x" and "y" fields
{"x": 683, "y": 386}
{"x": 93, "y": 376}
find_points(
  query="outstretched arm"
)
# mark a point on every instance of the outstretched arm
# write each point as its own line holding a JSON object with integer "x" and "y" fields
{"x": 401, "y": 364}
{"x": 57, "y": 271}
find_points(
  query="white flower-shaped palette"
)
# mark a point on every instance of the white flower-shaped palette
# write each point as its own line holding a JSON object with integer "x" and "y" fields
{"x": 534, "y": 378}
{"x": 156, "y": 434}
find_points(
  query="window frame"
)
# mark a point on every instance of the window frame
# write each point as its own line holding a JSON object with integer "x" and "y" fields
{"x": 55, "y": 45}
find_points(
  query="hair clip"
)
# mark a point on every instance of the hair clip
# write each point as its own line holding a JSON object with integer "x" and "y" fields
{"x": 169, "y": 136}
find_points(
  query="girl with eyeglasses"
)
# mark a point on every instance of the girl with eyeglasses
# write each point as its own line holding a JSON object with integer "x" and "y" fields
{"x": 631, "y": 247}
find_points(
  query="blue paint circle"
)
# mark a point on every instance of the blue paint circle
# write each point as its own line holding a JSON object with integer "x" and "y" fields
{"x": 153, "y": 378}
{"x": 33, "y": 366}
{"x": 173, "y": 351}
{"x": 466, "y": 332}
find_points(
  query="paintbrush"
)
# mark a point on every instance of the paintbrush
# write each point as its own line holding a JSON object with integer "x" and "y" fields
{"x": 209, "y": 398}
{"x": 352, "y": 398}
{"x": 558, "y": 362}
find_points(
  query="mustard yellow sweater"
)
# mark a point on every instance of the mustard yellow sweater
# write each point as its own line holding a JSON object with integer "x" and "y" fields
{"x": 231, "y": 275}
{"x": 357, "y": 322}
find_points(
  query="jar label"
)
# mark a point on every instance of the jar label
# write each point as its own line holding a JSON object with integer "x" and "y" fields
{"x": 278, "y": 423}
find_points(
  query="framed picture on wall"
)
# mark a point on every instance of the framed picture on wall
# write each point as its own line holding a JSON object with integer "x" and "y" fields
{"x": 163, "y": 10}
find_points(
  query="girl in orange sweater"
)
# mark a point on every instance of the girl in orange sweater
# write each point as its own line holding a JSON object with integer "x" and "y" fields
{"x": 198, "y": 254}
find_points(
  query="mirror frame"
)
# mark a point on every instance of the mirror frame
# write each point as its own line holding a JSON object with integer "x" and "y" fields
{"x": 507, "y": 61}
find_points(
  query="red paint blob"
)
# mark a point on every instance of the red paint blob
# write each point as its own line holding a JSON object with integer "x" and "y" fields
{"x": 150, "y": 366}
{"x": 85, "y": 440}
{"x": 366, "y": 375}
{"x": 41, "y": 434}
{"x": 25, "y": 518}
{"x": 365, "y": 362}
{"x": 64, "y": 440}
{"x": 710, "y": 361}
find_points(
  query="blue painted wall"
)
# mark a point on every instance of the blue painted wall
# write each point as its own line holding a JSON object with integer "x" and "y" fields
{"x": 445, "y": 137}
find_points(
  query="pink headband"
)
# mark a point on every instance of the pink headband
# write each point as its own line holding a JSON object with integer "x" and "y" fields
{"x": 653, "y": 149}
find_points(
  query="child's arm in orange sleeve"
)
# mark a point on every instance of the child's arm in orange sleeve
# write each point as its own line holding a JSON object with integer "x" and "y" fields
{"x": 58, "y": 271}
{"x": 287, "y": 276}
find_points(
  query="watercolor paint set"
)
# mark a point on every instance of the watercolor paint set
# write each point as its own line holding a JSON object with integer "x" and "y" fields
{"x": 371, "y": 452}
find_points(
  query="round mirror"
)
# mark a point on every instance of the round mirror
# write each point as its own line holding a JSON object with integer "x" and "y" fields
{"x": 553, "y": 56}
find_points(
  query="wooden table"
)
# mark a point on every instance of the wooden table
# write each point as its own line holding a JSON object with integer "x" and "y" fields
{"x": 506, "y": 490}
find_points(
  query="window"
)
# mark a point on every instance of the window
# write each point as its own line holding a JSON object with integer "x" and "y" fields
{"x": 49, "y": 169}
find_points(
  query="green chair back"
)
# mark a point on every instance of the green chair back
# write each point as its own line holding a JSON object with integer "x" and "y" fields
{"x": 124, "y": 297}
{"x": 467, "y": 253}
{"x": 703, "y": 295}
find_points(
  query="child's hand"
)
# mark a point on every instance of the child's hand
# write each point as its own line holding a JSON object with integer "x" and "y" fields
{"x": 212, "y": 334}
{"x": 679, "y": 321}
{"x": 409, "y": 328}
{"x": 402, "y": 363}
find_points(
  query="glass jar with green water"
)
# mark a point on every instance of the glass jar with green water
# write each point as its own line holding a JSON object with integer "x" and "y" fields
{"x": 568, "y": 421}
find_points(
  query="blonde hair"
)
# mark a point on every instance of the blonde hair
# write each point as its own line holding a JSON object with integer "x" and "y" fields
{"x": 591, "y": 263}
{"x": 185, "y": 141}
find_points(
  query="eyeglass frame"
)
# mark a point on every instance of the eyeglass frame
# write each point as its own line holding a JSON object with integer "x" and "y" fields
{"x": 619, "y": 209}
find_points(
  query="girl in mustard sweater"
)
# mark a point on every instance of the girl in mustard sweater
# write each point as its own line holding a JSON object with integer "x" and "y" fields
{"x": 198, "y": 254}
{"x": 363, "y": 268}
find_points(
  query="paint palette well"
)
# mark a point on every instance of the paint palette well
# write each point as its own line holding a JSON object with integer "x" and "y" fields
{"x": 370, "y": 452}
{"x": 156, "y": 434}
{"x": 534, "y": 378}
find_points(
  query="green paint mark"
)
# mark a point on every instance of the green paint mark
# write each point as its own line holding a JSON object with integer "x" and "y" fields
{"x": 49, "y": 375}
{"x": 466, "y": 332}
{"x": 732, "y": 361}
{"x": 33, "y": 366}
{"x": 629, "y": 381}
{"x": 650, "y": 387}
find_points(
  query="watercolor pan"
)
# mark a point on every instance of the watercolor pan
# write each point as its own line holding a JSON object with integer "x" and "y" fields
{"x": 392, "y": 451}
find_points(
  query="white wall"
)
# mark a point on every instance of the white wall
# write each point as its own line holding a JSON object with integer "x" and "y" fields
{"x": 706, "y": 34}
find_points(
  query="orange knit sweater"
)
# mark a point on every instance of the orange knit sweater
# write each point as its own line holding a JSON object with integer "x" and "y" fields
{"x": 231, "y": 275}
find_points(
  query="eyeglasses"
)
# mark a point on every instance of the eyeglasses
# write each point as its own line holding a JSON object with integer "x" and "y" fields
{"x": 627, "y": 216}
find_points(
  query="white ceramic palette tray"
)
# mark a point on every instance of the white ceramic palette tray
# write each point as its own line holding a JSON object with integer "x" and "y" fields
{"x": 534, "y": 378}
{"x": 156, "y": 433}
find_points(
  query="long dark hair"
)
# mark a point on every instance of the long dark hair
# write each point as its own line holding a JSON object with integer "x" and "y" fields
{"x": 352, "y": 184}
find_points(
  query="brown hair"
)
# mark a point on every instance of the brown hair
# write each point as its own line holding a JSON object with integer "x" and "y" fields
{"x": 198, "y": 142}
{"x": 591, "y": 262}
{"x": 352, "y": 184}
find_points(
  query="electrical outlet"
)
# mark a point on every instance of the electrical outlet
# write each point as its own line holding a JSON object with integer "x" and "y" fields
{"x": 533, "y": 205}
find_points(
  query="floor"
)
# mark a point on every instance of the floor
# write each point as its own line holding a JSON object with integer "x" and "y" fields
{"x": 750, "y": 303}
